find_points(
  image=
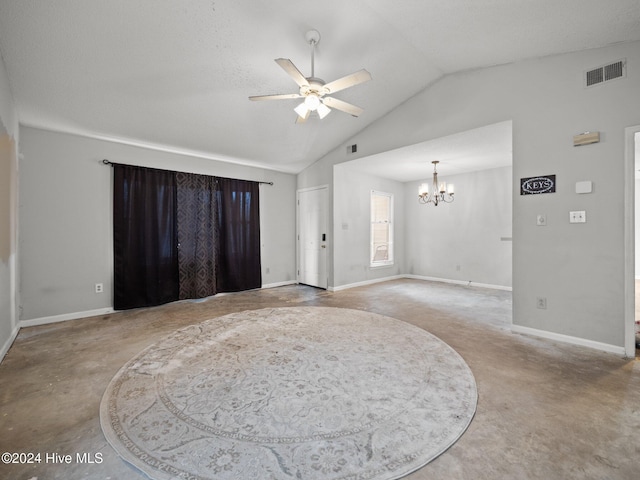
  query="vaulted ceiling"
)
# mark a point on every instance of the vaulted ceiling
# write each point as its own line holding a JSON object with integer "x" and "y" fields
{"x": 178, "y": 73}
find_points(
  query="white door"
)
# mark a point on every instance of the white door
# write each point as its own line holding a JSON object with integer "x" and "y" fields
{"x": 312, "y": 236}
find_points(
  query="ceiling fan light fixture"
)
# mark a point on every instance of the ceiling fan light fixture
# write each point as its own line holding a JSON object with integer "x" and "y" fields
{"x": 312, "y": 101}
{"x": 323, "y": 110}
{"x": 302, "y": 110}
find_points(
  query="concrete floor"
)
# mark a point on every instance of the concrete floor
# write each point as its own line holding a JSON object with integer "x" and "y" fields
{"x": 545, "y": 411}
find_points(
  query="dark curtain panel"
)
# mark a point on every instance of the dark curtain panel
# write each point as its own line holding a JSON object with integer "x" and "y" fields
{"x": 145, "y": 243}
{"x": 239, "y": 241}
{"x": 197, "y": 226}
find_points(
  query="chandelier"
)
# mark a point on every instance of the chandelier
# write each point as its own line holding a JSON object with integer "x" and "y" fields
{"x": 440, "y": 193}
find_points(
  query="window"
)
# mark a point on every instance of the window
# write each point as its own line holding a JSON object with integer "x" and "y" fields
{"x": 381, "y": 229}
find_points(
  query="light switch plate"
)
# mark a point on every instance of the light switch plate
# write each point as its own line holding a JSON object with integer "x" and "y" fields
{"x": 541, "y": 220}
{"x": 584, "y": 187}
{"x": 578, "y": 217}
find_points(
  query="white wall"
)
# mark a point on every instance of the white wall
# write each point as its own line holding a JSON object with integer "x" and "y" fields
{"x": 466, "y": 240}
{"x": 8, "y": 114}
{"x": 8, "y": 192}
{"x": 66, "y": 218}
{"x": 637, "y": 224}
{"x": 352, "y": 224}
{"x": 578, "y": 268}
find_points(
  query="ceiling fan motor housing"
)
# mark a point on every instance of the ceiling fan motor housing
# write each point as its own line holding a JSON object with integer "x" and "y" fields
{"x": 316, "y": 86}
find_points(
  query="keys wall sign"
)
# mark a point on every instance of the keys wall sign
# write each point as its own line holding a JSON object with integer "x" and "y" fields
{"x": 538, "y": 185}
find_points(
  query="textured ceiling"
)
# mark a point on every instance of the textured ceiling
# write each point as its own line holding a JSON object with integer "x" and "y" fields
{"x": 178, "y": 73}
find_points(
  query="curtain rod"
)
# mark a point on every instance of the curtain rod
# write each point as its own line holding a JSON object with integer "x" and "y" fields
{"x": 107, "y": 162}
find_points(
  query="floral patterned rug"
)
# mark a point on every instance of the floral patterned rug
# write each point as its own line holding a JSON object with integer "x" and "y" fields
{"x": 311, "y": 393}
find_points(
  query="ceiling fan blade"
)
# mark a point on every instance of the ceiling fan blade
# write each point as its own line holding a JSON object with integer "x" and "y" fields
{"x": 288, "y": 66}
{"x": 356, "y": 78}
{"x": 280, "y": 96}
{"x": 342, "y": 106}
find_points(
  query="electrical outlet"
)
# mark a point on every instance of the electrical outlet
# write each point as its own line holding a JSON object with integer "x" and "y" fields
{"x": 541, "y": 302}
{"x": 99, "y": 288}
{"x": 578, "y": 217}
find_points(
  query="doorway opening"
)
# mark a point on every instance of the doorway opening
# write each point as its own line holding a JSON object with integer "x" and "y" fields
{"x": 634, "y": 146}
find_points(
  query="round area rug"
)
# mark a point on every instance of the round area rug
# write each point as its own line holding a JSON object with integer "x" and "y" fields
{"x": 307, "y": 393}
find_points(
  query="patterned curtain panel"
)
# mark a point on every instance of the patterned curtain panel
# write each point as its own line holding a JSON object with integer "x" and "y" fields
{"x": 239, "y": 240}
{"x": 182, "y": 235}
{"x": 197, "y": 226}
{"x": 144, "y": 240}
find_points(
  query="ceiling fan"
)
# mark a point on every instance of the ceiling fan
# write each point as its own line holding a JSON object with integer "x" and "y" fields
{"x": 315, "y": 91}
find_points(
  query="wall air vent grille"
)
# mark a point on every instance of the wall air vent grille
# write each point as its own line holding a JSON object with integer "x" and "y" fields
{"x": 615, "y": 70}
{"x": 595, "y": 76}
{"x": 606, "y": 73}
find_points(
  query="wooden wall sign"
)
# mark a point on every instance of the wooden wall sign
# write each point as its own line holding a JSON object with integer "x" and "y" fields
{"x": 538, "y": 185}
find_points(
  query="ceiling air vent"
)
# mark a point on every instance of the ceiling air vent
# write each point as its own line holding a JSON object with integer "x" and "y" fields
{"x": 605, "y": 73}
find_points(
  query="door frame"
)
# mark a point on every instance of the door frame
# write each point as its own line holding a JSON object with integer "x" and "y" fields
{"x": 298, "y": 249}
{"x": 629, "y": 241}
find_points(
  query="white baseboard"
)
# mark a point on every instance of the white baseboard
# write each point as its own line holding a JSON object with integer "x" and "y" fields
{"x": 419, "y": 277}
{"x": 467, "y": 283}
{"x": 64, "y": 317}
{"x": 279, "y": 284}
{"x": 7, "y": 345}
{"x": 605, "y": 347}
{"x": 365, "y": 282}
{"x": 107, "y": 310}
{"x": 514, "y": 328}
{"x": 104, "y": 311}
